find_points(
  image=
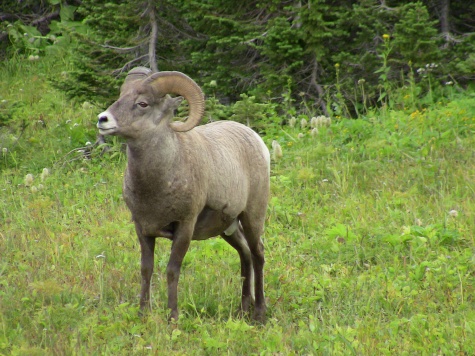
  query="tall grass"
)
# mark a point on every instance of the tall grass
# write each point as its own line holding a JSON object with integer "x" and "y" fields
{"x": 369, "y": 240}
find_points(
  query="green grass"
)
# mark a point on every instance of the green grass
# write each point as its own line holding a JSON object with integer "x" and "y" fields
{"x": 369, "y": 240}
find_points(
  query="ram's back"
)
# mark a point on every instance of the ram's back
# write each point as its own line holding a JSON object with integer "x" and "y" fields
{"x": 238, "y": 170}
{"x": 236, "y": 148}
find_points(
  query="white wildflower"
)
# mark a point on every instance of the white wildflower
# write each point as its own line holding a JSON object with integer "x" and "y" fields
{"x": 44, "y": 174}
{"x": 314, "y": 132}
{"x": 453, "y": 213}
{"x": 276, "y": 150}
{"x": 313, "y": 122}
{"x": 326, "y": 121}
{"x": 323, "y": 120}
{"x": 292, "y": 122}
{"x": 4, "y": 150}
{"x": 34, "y": 189}
{"x": 320, "y": 121}
{"x": 300, "y": 135}
{"x": 303, "y": 123}
{"x": 28, "y": 179}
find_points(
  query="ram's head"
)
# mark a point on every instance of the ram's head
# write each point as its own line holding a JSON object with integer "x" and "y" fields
{"x": 145, "y": 102}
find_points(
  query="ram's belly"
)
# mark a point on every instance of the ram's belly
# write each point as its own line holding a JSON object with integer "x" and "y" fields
{"x": 211, "y": 223}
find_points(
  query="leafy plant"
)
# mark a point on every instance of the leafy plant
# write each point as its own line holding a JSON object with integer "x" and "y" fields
{"x": 368, "y": 239}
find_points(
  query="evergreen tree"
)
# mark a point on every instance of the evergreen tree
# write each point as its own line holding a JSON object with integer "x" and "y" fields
{"x": 318, "y": 51}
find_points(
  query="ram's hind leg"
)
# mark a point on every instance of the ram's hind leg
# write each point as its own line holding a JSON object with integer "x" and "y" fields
{"x": 238, "y": 241}
{"x": 253, "y": 228}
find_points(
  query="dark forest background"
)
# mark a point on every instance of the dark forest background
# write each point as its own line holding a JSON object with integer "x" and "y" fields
{"x": 338, "y": 57}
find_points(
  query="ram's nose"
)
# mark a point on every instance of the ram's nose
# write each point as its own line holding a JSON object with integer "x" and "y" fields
{"x": 106, "y": 122}
{"x": 103, "y": 119}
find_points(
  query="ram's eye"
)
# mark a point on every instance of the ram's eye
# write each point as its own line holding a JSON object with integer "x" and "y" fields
{"x": 142, "y": 104}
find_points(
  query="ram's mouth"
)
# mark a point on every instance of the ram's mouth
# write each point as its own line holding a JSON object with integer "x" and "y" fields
{"x": 106, "y": 131}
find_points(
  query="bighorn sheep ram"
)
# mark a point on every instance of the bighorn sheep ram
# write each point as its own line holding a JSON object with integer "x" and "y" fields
{"x": 189, "y": 183}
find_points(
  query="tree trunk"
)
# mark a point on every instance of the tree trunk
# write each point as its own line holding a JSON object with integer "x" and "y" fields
{"x": 444, "y": 19}
{"x": 318, "y": 87}
{"x": 153, "y": 37}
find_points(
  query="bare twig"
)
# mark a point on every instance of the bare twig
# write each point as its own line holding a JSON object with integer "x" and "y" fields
{"x": 7, "y": 17}
{"x": 260, "y": 37}
{"x": 45, "y": 18}
{"x": 84, "y": 152}
{"x": 121, "y": 49}
{"x": 176, "y": 32}
{"x": 127, "y": 65}
{"x": 386, "y": 7}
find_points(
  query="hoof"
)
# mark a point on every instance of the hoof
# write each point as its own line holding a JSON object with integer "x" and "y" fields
{"x": 259, "y": 316}
{"x": 144, "y": 311}
{"x": 173, "y": 317}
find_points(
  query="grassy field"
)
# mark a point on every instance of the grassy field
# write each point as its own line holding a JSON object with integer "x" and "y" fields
{"x": 369, "y": 241}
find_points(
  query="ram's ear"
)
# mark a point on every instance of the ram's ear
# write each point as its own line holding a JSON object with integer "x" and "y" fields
{"x": 176, "y": 102}
{"x": 171, "y": 103}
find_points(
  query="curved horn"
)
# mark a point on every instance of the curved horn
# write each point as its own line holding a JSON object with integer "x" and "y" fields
{"x": 134, "y": 74}
{"x": 180, "y": 84}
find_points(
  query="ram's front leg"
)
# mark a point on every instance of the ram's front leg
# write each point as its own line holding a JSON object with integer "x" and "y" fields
{"x": 181, "y": 242}
{"x": 147, "y": 247}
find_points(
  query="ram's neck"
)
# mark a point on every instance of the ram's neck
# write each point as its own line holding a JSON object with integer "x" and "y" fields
{"x": 151, "y": 159}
